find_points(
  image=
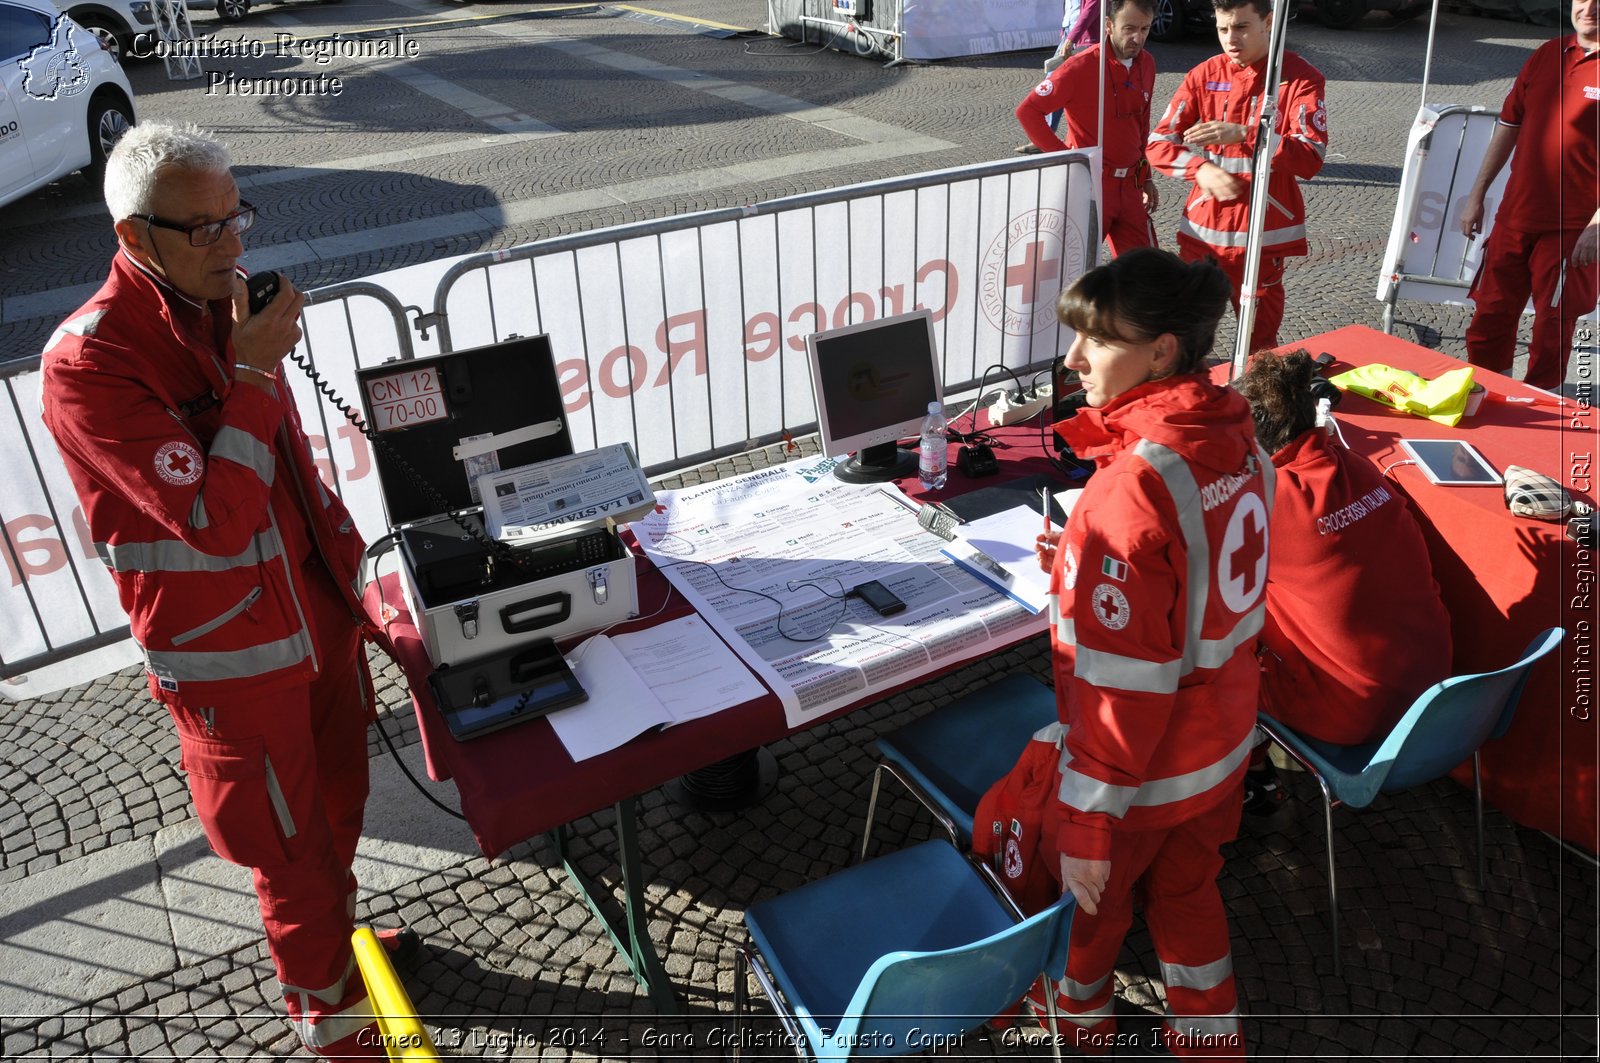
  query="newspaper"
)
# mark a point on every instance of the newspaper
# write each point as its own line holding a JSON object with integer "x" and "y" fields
{"x": 535, "y": 501}
{"x": 769, "y": 559}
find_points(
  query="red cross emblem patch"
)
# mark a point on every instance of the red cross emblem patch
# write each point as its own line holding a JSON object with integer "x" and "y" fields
{"x": 179, "y": 463}
{"x": 1111, "y": 607}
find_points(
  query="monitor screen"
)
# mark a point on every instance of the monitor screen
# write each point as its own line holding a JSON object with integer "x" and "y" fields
{"x": 874, "y": 381}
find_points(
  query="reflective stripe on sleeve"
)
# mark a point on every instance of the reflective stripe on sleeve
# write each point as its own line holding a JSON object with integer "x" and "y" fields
{"x": 175, "y": 555}
{"x": 1113, "y": 670}
{"x": 196, "y": 667}
{"x": 1083, "y": 990}
{"x": 242, "y": 448}
{"x": 1086, "y": 794}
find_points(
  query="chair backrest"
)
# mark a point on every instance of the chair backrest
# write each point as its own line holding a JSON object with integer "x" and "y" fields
{"x": 911, "y": 1001}
{"x": 1451, "y": 719}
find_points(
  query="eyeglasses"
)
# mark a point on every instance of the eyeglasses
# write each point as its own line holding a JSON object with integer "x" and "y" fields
{"x": 209, "y": 232}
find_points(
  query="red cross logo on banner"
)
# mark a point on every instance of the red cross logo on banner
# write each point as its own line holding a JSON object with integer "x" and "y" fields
{"x": 179, "y": 463}
{"x": 1033, "y": 272}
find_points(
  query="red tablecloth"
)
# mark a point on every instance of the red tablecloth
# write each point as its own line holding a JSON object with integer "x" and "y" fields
{"x": 520, "y": 782}
{"x": 1504, "y": 578}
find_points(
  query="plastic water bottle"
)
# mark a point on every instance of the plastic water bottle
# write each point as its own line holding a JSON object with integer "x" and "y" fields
{"x": 932, "y": 462}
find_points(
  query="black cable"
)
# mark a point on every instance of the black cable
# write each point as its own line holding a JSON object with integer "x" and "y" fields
{"x": 842, "y": 598}
{"x": 376, "y": 551}
{"x": 435, "y": 497}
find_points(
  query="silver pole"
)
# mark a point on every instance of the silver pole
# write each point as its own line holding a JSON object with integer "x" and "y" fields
{"x": 1100, "y": 135}
{"x": 1427, "y": 62}
{"x": 1260, "y": 174}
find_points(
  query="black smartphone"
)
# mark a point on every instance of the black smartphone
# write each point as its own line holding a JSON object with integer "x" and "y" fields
{"x": 880, "y": 598}
{"x": 262, "y": 287}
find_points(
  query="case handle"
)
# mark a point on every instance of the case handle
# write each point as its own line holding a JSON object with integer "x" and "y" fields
{"x": 561, "y": 601}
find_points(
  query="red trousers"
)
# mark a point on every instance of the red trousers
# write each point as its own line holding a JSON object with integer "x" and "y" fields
{"x": 279, "y": 782}
{"x": 1175, "y": 871}
{"x": 1517, "y": 265}
{"x": 1269, "y": 293}
{"x": 1127, "y": 220}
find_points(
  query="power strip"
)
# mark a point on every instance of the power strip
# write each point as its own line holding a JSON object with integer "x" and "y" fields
{"x": 1007, "y": 410}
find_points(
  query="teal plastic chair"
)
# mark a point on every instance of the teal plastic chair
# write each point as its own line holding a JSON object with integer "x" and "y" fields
{"x": 1445, "y": 725}
{"x": 897, "y": 955}
{"x": 950, "y": 757}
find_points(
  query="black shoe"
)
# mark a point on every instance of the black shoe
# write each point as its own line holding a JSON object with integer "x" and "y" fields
{"x": 1028, "y": 149}
{"x": 1264, "y": 795}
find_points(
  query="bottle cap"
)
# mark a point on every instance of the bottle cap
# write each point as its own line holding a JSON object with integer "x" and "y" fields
{"x": 935, "y": 406}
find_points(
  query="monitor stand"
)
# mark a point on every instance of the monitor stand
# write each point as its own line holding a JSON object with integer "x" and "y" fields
{"x": 876, "y": 465}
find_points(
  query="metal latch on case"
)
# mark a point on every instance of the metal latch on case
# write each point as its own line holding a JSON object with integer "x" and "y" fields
{"x": 597, "y": 581}
{"x": 467, "y": 614}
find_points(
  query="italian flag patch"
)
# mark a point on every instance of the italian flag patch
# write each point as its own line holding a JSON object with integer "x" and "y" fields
{"x": 1117, "y": 570}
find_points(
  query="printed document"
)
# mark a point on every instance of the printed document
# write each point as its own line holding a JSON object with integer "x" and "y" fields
{"x": 770, "y": 558}
{"x": 999, "y": 549}
{"x": 656, "y": 677}
{"x": 533, "y": 501}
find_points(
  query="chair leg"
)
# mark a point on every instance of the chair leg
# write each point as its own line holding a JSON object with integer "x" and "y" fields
{"x": 1333, "y": 881}
{"x": 738, "y": 999}
{"x": 1052, "y": 1021}
{"x": 872, "y": 808}
{"x": 1477, "y": 803}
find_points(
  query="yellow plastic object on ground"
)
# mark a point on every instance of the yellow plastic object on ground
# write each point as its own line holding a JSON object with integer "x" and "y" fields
{"x": 1443, "y": 399}
{"x": 404, "y": 1036}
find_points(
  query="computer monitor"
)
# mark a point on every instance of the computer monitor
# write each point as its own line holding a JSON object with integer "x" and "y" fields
{"x": 873, "y": 383}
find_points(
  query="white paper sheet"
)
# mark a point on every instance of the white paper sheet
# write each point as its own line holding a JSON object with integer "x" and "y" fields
{"x": 661, "y": 675}
{"x": 1007, "y": 539}
{"x": 691, "y": 671}
{"x": 767, "y": 559}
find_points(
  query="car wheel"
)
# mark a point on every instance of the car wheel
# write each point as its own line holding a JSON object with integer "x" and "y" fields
{"x": 232, "y": 10}
{"x": 110, "y": 117}
{"x": 1341, "y": 14}
{"x": 110, "y": 39}
{"x": 1167, "y": 26}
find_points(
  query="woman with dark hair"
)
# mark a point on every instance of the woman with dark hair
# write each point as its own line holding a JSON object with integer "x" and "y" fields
{"x": 1355, "y": 627}
{"x": 1158, "y": 583}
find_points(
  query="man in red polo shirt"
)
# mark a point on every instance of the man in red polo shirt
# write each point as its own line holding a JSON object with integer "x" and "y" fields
{"x": 1208, "y": 137}
{"x": 1127, "y": 192}
{"x": 1546, "y": 236}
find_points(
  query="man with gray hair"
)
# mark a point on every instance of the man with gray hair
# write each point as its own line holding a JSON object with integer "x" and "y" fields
{"x": 240, "y": 572}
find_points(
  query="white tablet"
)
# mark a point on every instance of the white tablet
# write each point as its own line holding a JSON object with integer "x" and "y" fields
{"x": 1451, "y": 462}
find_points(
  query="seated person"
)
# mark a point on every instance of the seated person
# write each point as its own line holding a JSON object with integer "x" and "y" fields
{"x": 1355, "y": 629}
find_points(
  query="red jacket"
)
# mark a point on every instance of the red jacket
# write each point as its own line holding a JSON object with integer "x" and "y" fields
{"x": 201, "y": 496}
{"x": 1219, "y": 90}
{"x": 1072, "y": 89}
{"x": 1355, "y": 627}
{"x": 1158, "y": 592}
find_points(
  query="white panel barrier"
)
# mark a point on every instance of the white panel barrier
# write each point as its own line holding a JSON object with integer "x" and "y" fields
{"x": 1428, "y": 259}
{"x": 684, "y": 336}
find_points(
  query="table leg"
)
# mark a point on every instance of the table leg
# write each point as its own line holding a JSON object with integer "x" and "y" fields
{"x": 632, "y": 937}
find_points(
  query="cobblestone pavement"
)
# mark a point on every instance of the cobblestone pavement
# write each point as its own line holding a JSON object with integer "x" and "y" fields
{"x": 514, "y": 966}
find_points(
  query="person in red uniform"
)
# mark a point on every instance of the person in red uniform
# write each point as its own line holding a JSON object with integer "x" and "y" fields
{"x": 1546, "y": 236}
{"x": 1208, "y": 136}
{"x": 1355, "y": 626}
{"x": 1128, "y": 193}
{"x": 239, "y": 571}
{"x": 1158, "y": 589}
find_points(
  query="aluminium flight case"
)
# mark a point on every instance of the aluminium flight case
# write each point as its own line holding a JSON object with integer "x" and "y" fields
{"x": 444, "y": 421}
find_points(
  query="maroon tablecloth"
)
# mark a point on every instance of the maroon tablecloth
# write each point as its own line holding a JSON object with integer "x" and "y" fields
{"x": 520, "y": 782}
{"x": 1504, "y": 578}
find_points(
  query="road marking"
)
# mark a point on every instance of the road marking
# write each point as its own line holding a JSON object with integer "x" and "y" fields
{"x": 690, "y": 20}
{"x": 876, "y": 142}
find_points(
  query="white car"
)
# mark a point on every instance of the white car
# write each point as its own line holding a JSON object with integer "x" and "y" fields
{"x": 64, "y": 100}
{"x": 115, "y": 22}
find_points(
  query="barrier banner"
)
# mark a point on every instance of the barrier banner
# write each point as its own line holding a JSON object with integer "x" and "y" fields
{"x": 683, "y": 336}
